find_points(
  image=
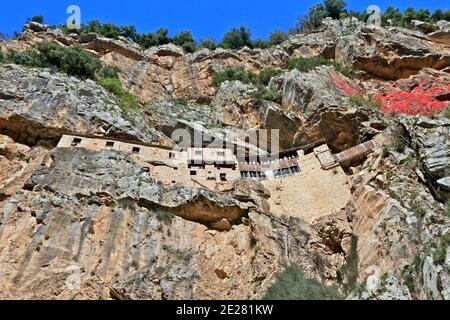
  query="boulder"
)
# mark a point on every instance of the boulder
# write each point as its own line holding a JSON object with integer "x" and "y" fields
{"x": 425, "y": 27}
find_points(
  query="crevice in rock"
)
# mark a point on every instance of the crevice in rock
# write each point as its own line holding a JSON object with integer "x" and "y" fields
{"x": 429, "y": 182}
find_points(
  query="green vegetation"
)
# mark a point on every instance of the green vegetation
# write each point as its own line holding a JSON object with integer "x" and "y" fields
{"x": 399, "y": 145}
{"x": 109, "y": 72}
{"x": 22, "y": 157}
{"x": 320, "y": 263}
{"x": 447, "y": 209}
{"x": 208, "y": 44}
{"x": 265, "y": 75}
{"x": 391, "y": 17}
{"x": 74, "y": 61}
{"x": 292, "y": 285}
{"x": 385, "y": 153}
{"x": 148, "y": 40}
{"x": 260, "y": 80}
{"x": 232, "y": 74}
{"x": 185, "y": 40}
{"x": 164, "y": 216}
{"x": 276, "y": 38}
{"x": 126, "y": 100}
{"x": 447, "y": 112}
{"x": 239, "y": 73}
{"x": 38, "y": 19}
{"x": 329, "y": 8}
{"x": 441, "y": 250}
{"x": 369, "y": 102}
{"x": 308, "y": 64}
{"x": 350, "y": 269}
{"x": 237, "y": 38}
{"x": 410, "y": 162}
{"x": 265, "y": 93}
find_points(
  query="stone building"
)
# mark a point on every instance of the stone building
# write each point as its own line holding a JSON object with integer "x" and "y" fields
{"x": 195, "y": 167}
{"x": 307, "y": 182}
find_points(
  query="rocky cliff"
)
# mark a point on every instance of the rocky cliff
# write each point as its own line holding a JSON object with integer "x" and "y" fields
{"x": 79, "y": 224}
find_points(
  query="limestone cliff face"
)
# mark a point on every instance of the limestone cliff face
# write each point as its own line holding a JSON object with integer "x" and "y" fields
{"x": 97, "y": 215}
{"x": 87, "y": 225}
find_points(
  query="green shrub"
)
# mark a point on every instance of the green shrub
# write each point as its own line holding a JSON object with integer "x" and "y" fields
{"x": 441, "y": 251}
{"x": 38, "y": 19}
{"x": 447, "y": 112}
{"x": 208, "y": 44}
{"x": 238, "y": 73}
{"x": 181, "y": 101}
{"x": 185, "y": 40}
{"x": 265, "y": 75}
{"x": 237, "y": 38}
{"x": 129, "y": 32}
{"x": 264, "y": 93}
{"x": 277, "y": 37}
{"x": 308, "y": 64}
{"x": 260, "y": 44}
{"x": 126, "y": 100}
{"x": 74, "y": 61}
{"x": 2, "y": 56}
{"x": 233, "y": 73}
{"x": 28, "y": 58}
{"x": 292, "y": 285}
{"x": 350, "y": 269}
{"x": 368, "y": 102}
{"x": 385, "y": 152}
{"x": 164, "y": 216}
{"x": 109, "y": 72}
{"x": 447, "y": 209}
{"x": 148, "y": 40}
{"x": 400, "y": 145}
{"x": 109, "y": 30}
{"x": 77, "y": 62}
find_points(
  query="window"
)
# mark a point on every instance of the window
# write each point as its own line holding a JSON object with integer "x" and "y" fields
{"x": 221, "y": 154}
{"x": 223, "y": 177}
{"x": 199, "y": 153}
{"x": 172, "y": 155}
{"x": 193, "y": 173}
{"x": 136, "y": 150}
{"x": 76, "y": 141}
{"x": 146, "y": 169}
{"x": 110, "y": 144}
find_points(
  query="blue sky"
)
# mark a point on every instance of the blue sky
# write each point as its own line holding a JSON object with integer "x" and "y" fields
{"x": 205, "y": 18}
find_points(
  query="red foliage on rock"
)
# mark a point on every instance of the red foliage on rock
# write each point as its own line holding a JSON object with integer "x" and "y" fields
{"x": 419, "y": 95}
{"x": 420, "y": 100}
{"x": 344, "y": 86}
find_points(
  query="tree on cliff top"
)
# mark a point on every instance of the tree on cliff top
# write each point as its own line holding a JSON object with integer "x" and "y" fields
{"x": 38, "y": 19}
{"x": 237, "y": 38}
